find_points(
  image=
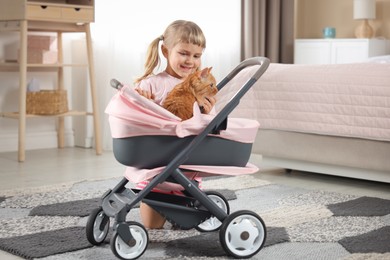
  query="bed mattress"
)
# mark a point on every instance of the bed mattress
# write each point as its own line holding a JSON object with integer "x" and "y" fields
{"x": 350, "y": 100}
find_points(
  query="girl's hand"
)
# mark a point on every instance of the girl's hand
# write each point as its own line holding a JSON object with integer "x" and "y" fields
{"x": 145, "y": 93}
{"x": 206, "y": 104}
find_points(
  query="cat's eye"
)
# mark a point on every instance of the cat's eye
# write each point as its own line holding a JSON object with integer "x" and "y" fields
{"x": 211, "y": 85}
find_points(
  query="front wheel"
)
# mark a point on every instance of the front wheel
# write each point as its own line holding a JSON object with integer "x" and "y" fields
{"x": 242, "y": 234}
{"x": 97, "y": 226}
{"x": 136, "y": 246}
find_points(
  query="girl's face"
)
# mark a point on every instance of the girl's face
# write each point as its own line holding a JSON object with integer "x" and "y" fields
{"x": 183, "y": 59}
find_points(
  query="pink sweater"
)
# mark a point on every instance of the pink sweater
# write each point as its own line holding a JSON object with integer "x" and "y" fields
{"x": 159, "y": 85}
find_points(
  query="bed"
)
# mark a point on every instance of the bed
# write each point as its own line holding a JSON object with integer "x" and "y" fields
{"x": 329, "y": 119}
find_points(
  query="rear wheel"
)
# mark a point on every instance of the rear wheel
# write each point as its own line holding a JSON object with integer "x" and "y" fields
{"x": 213, "y": 224}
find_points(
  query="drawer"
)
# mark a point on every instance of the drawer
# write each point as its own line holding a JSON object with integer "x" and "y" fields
{"x": 43, "y": 12}
{"x": 77, "y": 14}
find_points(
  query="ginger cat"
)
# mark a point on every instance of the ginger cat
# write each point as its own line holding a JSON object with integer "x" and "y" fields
{"x": 196, "y": 87}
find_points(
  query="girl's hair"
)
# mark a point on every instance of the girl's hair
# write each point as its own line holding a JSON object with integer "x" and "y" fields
{"x": 176, "y": 32}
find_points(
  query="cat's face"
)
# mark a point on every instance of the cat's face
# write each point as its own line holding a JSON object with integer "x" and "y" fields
{"x": 204, "y": 83}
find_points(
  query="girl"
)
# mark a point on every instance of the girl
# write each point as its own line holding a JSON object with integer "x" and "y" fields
{"x": 183, "y": 44}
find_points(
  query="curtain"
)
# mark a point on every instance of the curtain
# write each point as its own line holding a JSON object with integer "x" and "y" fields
{"x": 267, "y": 29}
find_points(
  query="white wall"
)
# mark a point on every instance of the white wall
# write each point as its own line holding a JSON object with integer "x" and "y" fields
{"x": 121, "y": 34}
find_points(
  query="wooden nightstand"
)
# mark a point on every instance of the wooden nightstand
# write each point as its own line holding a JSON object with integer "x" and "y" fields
{"x": 59, "y": 16}
{"x": 336, "y": 51}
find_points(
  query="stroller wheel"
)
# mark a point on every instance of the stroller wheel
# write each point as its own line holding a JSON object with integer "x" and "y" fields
{"x": 97, "y": 226}
{"x": 213, "y": 224}
{"x": 135, "y": 247}
{"x": 242, "y": 234}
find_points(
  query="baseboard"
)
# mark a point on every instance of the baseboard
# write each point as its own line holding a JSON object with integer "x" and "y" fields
{"x": 336, "y": 170}
{"x": 36, "y": 140}
{"x": 86, "y": 142}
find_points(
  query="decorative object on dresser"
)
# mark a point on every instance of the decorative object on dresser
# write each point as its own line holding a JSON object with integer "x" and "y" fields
{"x": 329, "y": 32}
{"x": 364, "y": 10}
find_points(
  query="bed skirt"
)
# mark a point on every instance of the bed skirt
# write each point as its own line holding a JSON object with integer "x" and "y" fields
{"x": 333, "y": 155}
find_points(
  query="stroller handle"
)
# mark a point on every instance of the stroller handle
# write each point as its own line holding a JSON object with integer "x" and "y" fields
{"x": 262, "y": 61}
{"x": 116, "y": 84}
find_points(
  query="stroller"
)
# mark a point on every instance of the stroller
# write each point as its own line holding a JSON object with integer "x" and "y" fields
{"x": 169, "y": 149}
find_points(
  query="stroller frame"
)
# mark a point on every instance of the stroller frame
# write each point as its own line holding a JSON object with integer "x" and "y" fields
{"x": 130, "y": 239}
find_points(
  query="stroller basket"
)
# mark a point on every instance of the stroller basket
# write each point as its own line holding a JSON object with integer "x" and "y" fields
{"x": 148, "y": 152}
{"x": 164, "y": 157}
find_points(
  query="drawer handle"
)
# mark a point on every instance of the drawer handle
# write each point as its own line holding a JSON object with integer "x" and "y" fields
{"x": 77, "y": 9}
{"x": 43, "y": 6}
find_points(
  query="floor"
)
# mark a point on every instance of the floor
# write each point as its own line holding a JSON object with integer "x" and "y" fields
{"x": 52, "y": 167}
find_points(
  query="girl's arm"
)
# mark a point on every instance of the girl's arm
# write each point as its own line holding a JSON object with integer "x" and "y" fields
{"x": 145, "y": 93}
{"x": 144, "y": 88}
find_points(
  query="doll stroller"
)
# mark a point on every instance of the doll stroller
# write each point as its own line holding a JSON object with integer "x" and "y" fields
{"x": 242, "y": 233}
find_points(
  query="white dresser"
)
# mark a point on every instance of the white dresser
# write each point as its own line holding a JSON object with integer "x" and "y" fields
{"x": 336, "y": 51}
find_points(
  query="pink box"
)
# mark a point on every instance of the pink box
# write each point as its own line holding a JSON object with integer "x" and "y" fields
{"x": 41, "y": 49}
{"x": 41, "y": 42}
{"x": 42, "y": 56}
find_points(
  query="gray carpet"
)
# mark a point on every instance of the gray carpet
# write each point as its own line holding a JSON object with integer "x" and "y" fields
{"x": 46, "y": 243}
{"x": 81, "y": 208}
{"x": 301, "y": 224}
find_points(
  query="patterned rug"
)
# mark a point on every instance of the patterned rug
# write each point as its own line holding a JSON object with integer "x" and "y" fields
{"x": 301, "y": 224}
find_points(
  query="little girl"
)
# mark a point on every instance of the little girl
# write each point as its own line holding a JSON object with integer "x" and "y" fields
{"x": 183, "y": 44}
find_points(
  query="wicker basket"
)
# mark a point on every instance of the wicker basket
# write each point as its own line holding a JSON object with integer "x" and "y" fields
{"x": 47, "y": 102}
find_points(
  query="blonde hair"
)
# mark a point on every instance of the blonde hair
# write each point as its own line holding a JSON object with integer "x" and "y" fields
{"x": 179, "y": 31}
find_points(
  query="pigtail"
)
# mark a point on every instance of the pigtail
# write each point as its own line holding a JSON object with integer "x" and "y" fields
{"x": 152, "y": 59}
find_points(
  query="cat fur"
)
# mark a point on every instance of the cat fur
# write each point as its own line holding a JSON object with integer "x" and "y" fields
{"x": 196, "y": 87}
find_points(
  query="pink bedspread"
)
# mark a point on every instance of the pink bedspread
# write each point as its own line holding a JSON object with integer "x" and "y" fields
{"x": 351, "y": 100}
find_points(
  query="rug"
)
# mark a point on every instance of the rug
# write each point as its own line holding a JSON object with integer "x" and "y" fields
{"x": 301, "y": 223}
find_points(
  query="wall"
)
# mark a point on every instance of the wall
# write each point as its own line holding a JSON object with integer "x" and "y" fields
{"x": 313, "y": 15}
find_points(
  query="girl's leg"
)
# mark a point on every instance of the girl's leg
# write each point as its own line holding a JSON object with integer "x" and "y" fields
{"x": 151, "y": 218}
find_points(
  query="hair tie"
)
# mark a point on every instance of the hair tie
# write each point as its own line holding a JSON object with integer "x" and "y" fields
{"x": 161, "y": 38}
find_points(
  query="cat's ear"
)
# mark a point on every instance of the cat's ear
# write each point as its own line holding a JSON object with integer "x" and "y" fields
{"x": 205, "y": 72}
